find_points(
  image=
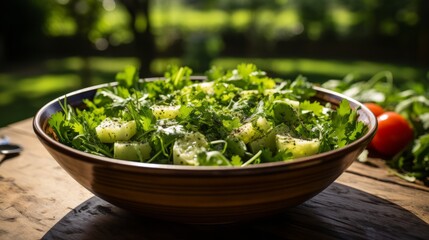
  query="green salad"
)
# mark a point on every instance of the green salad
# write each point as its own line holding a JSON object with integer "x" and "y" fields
{"x": 233, "y": 118}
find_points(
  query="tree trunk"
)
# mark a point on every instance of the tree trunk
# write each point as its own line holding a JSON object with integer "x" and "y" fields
{"x": 144, "y": 42}
{"x": 423, "y": 34}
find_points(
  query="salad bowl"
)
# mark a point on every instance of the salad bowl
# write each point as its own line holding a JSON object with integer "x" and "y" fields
{"x": 203, "y": 195}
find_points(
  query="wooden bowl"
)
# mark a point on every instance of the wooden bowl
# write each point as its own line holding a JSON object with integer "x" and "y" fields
{"x": 203, "y": 195}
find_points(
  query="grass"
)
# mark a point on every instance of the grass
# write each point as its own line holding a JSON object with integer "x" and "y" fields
{"x": 28, "y": 88}
{"x": 25, "y": 90}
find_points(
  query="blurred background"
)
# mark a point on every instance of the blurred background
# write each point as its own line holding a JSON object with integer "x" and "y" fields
{"x": 51, "y": 47}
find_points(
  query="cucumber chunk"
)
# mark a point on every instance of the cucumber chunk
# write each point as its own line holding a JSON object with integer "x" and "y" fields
{"x": 236, "y": 146}
{"x": 298, "y": 147}
{"x": 285, "y": 111}
{"x": 252, "y": 130}
{"x": 268, "y": 92}
{"x": 165, "y": 112}
{"x": 268, "y": 140}
{"x": 187, "y": 148}
{"x": 131, "y": 151}
{"x": 293, "y": 103}
{"x": 206, "y": 87}
{"x": 112, "y": 130}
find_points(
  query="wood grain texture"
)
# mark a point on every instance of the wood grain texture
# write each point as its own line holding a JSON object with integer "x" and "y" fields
{"x": 34, "y": 191}
{"x": 376, "y": 168}
{"x": 336, "y": 213}
{"x": 39, "y": 200}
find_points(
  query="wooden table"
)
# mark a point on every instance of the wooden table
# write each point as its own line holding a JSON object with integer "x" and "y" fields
{"x": 40, "y": 200}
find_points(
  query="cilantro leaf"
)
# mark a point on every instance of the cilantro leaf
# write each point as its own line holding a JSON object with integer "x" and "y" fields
{"x": 57, "y": 122}
{"x": 128, "y": 77}
{"x": 314, "y": 107}
{"x": 235, "y": 99}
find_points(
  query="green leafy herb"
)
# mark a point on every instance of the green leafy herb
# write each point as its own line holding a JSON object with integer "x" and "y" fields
{"x": 409, "y": 100}
{"x": 235, "y": 119}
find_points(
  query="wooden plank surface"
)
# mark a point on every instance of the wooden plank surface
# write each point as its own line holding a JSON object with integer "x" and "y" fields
{"x": 39, "y": 200}
{"x": 35, "y": 192}
{"x": 339, "y": 212}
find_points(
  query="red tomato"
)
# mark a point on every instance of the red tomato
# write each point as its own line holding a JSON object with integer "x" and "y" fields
{"x": 393, "y": 134}
{"x": 375, "y": 108}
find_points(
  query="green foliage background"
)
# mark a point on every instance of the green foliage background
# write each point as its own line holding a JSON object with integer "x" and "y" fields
{"x": 50, "y": 47}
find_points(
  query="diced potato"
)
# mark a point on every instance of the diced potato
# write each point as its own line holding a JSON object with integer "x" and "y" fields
{"x": 112, "y": 130}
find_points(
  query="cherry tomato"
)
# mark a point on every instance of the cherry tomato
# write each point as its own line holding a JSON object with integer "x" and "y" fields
{"x": 394, "y": 133}
{"x": 375, "y": 108}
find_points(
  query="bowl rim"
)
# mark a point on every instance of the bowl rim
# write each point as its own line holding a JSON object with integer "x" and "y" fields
{"x": 214, "y": 170}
